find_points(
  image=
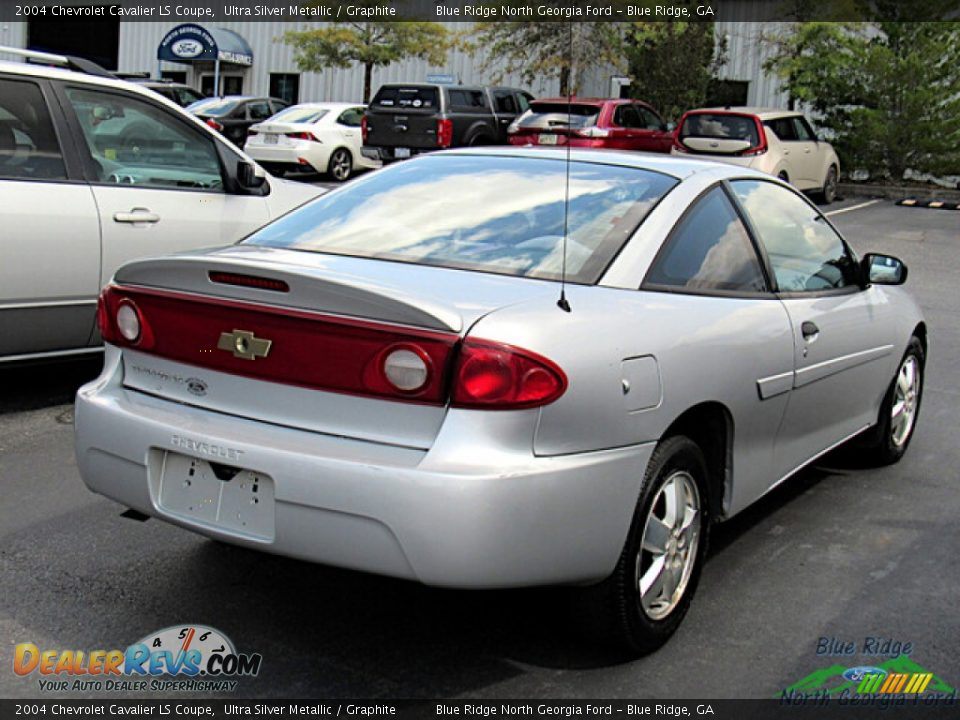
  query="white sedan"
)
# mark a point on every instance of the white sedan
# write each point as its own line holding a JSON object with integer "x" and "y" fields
{"x": 311, "y": 137}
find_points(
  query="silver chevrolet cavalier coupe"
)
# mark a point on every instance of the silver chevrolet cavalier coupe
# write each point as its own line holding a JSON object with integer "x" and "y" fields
{"x": 504, "y": 367}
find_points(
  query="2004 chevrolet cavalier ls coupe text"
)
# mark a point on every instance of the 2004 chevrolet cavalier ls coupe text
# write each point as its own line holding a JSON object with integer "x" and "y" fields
{"x": 383, "y": 379}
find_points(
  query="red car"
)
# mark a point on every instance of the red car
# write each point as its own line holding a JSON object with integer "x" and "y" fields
{"x": 592, "y": 122}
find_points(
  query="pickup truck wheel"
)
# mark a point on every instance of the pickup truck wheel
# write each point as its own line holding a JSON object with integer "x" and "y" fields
{"x": 340, "y": 167}
{"x": 480, "y": 140}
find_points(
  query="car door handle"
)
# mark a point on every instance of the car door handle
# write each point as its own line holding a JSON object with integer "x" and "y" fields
{"x": 809, "y": 330}
{"x": 136, "y": 215}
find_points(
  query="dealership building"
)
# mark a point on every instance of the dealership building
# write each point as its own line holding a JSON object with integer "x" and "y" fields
{"x": 233, "y": 57}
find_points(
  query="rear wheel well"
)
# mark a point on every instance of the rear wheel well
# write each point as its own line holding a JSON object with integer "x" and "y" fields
{"x": 710, "y": 426}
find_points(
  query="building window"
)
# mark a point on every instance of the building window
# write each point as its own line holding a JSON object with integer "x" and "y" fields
{"x": 177, "y": 76}
{"x": 229, "y": 85}
{"x": 285, "y": 86}
{"x": 722, "y": 93}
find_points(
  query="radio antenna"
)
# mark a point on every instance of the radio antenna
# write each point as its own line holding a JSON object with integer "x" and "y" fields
{"x": 562, "y": 303}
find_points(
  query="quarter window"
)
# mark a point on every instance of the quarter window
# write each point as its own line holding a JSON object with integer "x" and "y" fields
{"x": 133, "y": 142}
{"x": 709, "y": 249}
{"x": 28, "y": 145}
{"x": 351, "y": 117}
{"x": 806, "y": 254}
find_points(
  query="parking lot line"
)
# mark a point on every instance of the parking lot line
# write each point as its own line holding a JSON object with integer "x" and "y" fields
{"x": 852, "y": 207}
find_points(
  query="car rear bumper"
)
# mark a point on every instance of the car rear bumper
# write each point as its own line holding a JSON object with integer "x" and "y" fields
{"x": 466, "y": 513}
{"x": 299, "y": 154}
{"x": 389, "y": 154}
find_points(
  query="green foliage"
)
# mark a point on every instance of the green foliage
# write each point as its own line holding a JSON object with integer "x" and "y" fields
{"x": 671, "y": 64}
{"x": 538, "y": 50}
{"x": 890, "y": 91}
{"x": 370, "y": 44}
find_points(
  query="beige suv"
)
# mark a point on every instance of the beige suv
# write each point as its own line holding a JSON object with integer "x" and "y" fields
{"x": 779, "y": 142}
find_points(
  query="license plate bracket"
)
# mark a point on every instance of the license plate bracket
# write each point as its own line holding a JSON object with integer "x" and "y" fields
{"x": 546, "y": 139}
{"x": 401, "y": 153}
{"x": 234, "y": 499}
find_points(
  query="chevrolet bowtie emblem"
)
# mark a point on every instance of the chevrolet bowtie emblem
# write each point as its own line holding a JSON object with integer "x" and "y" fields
{"x": 244, "y": 345}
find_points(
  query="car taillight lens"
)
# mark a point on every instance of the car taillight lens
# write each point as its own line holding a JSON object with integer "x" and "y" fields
{"x": 592, "y": 132}
{"x": 495, "y": 376}
{"x": 121, "y": 321}
{"x": 445, "y": 132}
{"x": 303, "y": 136}
{"x": 215, "y": 125}
{"x": 364, "y": 129}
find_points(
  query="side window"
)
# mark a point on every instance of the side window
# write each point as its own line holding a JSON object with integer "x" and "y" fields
{"x": 804, "y": 132}
{"x": 524, "y": 100}
{"x": 709, "y": 249}
{"x": 651, "y": 121}
{"x": 627, "y": 116}
{"x": 28, "y": 144}
{"x": 468, "y": 99}
{"x": 783, "y": 128}
{"x": 505, "y": 102}
{"x": 259, "y": 110}
{"x": 351, "y": 117}
{"x": 806, "y": 254}
{"x": 134, "y": 142}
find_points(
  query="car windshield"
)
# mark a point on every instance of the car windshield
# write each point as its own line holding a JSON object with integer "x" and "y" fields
{"x": 721, "y": 126}
{"x": 299, "y": 114}
{"x": 501, "y": 215}
{"x": 215, "y": 107}
{"x": 544, "y": 116}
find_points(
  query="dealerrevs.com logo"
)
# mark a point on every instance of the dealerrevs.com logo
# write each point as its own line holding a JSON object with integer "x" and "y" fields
{"x": 182, "y": 657}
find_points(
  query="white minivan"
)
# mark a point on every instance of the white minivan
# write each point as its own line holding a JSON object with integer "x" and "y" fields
{"x": 95, "y": 171}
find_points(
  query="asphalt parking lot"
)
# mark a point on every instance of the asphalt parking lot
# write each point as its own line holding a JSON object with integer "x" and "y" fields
{"x": 837, "y": 552}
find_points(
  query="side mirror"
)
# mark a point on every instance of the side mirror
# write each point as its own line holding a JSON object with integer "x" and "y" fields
{"x": 250, "y": 176}
{"x": 883, "y": 270}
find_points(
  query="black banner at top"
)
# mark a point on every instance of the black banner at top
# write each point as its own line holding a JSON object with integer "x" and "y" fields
{"x": 182, "y": 11}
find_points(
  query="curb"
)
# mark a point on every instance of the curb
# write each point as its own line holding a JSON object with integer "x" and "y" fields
{"x": 934, "y": 204}
{"x": 900, "y": 192}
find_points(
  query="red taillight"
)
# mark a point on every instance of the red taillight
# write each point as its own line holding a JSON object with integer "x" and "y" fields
{"x": 116, "y": 313}
{"x": 303, "y": 136}
{"x": 364, "y": 129}
{"x": 214, "y": 124}
{"x": 445, "y": 132}
{"x": 762, "y": 147}
{"x": 494, "y": 376}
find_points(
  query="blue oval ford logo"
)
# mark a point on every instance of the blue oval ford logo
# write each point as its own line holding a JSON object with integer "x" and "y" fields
{"x": 855, "y": 674}
{"x": 186, "y": 48}
{"x": 197, "y": 386}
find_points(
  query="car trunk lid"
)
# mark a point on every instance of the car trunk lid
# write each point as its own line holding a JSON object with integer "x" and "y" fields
{"x": 296, "y": 338}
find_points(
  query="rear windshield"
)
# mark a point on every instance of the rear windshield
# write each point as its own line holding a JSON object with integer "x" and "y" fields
{"x": 722, "y": 126}
{"x": 407, "y": 97}
{"x": 216, "y": 107}
{"x": 501, "y": 215}
{"x": 544, "y": 116}
{"x": 299, "y": 115}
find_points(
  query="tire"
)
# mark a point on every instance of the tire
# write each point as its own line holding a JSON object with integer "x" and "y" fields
{"x": 616, "y": 609}
{"x": 340, "y": 165}
{"x": 889, "y": 439}
{"x": 828, "y": 193}
{"x": 479, "y": 141}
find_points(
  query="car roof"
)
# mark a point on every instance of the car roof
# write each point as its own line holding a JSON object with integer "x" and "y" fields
{"x": 676, "y": 166}
{"x": 764, "y": 113}
{"x": 584, "y": 100}
{"x": 326, "y": 105}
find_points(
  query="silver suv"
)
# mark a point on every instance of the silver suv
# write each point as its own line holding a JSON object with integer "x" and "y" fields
{"x": 95, "y": 171}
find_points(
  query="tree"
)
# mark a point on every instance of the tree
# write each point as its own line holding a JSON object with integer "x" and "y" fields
{"x": 371, "y": 44}
{"x": 889, "y": 90}
{"x": 671, "y": 64}
{"x": 556, "y": 49}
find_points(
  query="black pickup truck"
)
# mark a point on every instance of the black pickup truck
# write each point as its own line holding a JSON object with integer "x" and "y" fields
{"x": 406, "y": 119}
